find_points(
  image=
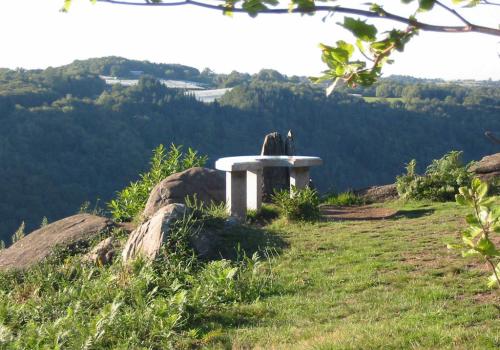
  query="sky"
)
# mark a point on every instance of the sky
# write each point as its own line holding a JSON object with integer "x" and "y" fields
{"x": 35, "y": 34}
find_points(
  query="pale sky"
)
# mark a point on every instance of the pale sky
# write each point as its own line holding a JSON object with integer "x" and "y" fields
{"x": 34, "y": 34}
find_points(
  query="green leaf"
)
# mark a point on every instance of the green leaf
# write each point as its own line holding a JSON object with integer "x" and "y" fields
{"x": 472, "y": 219}
{"x": 482, "y": 190}
{"x": 475, "y": 184}
{"x": 484, "y": 215}
{"x": 493, "y": 282}
{"x": 426, "y": 5}
{"x": 472, "y": 232}
{"x": 486, "y": 247}
{"x": 469, "y": 252}
{"x": 460, "y": 199}
{"x": 332, "y": 87}
{"x": 66, "y": 6}
{"x": 360, "y": 29}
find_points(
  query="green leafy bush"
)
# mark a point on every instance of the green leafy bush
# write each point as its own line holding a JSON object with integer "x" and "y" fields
{"x": 440, "y": 182}
{"x": 484, "y": 221}
{"x": 348, "y": 198}
{"x": 130, "y": 201}
{"x": 302, "y": 205}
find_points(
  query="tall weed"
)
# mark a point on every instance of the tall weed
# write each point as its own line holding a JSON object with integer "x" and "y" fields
{"x": 130, "y": 201}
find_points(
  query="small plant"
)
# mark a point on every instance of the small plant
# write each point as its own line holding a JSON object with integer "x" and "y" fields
{"x": 44, "y": 222}
{"x": 348, "y": 199}
{"x": 483, "y": 223}
{"x": 86, "y": 208}
{"x": 302, "y": 205}
{"x": 440, "y": 182}
{"x": 19, "y": 233}
{"x": 130, "y": 201}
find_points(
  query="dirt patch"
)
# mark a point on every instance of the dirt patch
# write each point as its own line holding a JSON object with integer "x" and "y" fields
{"x": 332, "y": 213}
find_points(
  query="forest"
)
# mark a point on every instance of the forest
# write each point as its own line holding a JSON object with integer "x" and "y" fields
{"x": 67, "y": 138}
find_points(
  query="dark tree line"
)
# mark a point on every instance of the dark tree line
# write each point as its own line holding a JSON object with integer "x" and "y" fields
{"x": 67, "y": 138}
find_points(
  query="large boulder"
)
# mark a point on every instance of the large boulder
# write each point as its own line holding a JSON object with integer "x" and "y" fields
{"x": 65, "y": 234}
{"x": 208, "y": 185}
{"x": 488, "y": 168}
{"x": 147, "y": 239}
{"x": 376, "y": 194}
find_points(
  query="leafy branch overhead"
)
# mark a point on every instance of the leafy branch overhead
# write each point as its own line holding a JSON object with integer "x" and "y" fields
{"x": 373, "y": 48}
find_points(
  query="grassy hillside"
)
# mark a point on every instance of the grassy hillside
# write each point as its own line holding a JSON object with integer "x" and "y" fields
{"x": 331, "y": 285}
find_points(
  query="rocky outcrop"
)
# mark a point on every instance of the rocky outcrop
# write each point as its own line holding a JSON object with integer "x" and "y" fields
{"x": 488, "y": 168}
{"x": 376, "y": 194}
{"x": 147, "y": 239}
{"x": 207, "y": 184}
{"x": 65, "y": 234}
{"x": 276, "y": 178}
{"x": 102, "y": 253}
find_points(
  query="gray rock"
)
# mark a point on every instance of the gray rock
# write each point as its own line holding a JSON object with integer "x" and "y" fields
{"x": 488, "y": 164}
{"x": 276, "y": 178}
{"x": 102, "y": 253}
{"x": 378, "y": 193}
{"x": 147, "y": 239}
{"x": 40, "y": 244}
{"x": 207, "y": 184}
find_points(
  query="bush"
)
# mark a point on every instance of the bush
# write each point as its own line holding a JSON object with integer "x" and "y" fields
{"x": 130, "y": 202}
{"x": 441, "y": 180}
{"x": 301, "y": 205}
{"x": 348, "y": 199}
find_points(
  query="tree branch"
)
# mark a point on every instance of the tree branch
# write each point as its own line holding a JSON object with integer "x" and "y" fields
{"x": 453, "y": 12}
{"x": 487, "y": 2}
{"x": 469, "y": 27}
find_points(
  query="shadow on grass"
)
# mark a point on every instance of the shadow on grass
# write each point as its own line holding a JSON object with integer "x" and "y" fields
{"x": 233, "y": 242}
{"x": 413, "y": 213}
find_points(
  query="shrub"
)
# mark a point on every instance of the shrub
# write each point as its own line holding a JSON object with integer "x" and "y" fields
{"x": 130, "y": 201}
{"x": 298, "y": 205}
{"x": 348, "y": 198}
{"x": 484, "y": 222}
{"x": 440, "y": 182}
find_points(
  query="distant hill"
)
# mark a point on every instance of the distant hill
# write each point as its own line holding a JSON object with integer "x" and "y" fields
{"x": 67, "y": 137}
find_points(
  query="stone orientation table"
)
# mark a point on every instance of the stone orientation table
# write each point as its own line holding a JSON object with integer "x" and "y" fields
{"x": 244, "y": 178}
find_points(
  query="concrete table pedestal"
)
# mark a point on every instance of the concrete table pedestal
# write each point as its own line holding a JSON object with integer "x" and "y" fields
{"x": 244, "y": 178}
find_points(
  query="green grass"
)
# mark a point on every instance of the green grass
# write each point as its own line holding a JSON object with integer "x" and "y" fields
{"x": 365, "y": 285}
{"x": 348, "y": 198}
{"x": 388, "y": 284}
